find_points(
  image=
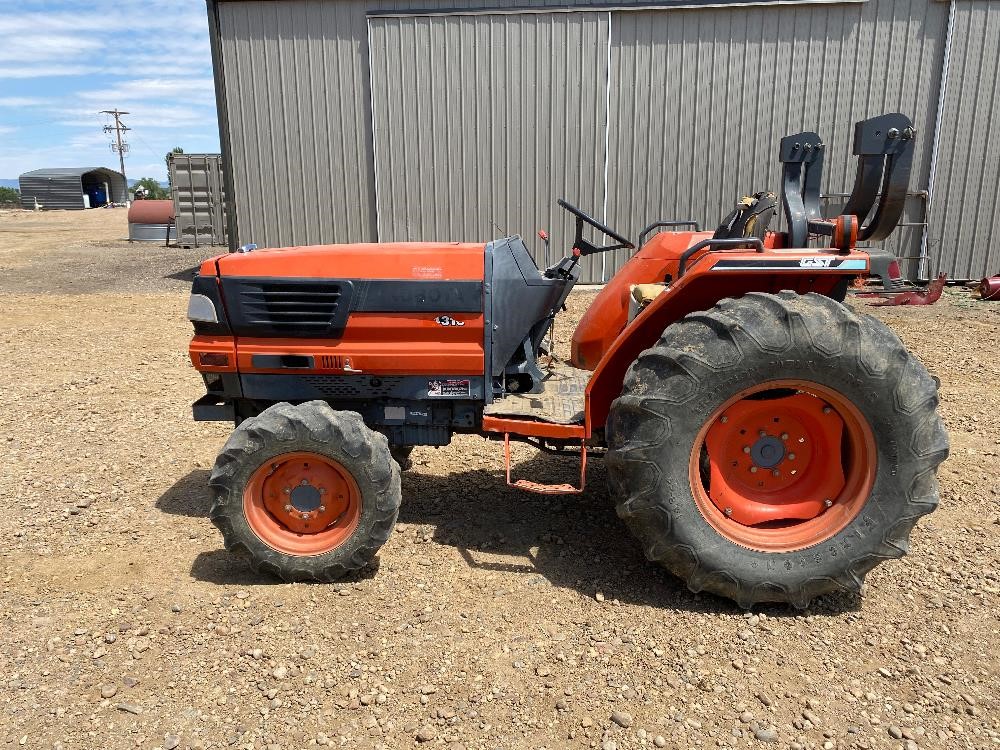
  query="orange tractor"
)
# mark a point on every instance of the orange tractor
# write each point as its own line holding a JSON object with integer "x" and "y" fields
{"x": 762, "y": 441}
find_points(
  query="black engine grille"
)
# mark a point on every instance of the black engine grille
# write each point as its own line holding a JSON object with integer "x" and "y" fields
{"x": 276, "y": 307}
{"x": 348, "y": 386}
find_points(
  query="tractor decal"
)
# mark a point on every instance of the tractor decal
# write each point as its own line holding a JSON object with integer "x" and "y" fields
{"x": 449, "y": 388}
{"x": 813, "y": 264}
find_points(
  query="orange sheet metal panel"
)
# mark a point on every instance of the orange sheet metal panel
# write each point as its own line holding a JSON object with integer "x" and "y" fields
{"x": 451, "y": 261}
{"x": 710, "y": 278}
{"x": 385, "y": 344}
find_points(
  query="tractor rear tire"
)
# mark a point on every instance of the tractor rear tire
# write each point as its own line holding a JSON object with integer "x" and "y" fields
{"x": 305, "y": 492}
{"x": 804, "y": 361}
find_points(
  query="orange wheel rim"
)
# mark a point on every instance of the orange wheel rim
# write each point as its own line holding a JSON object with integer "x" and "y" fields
{"x": 302, "y": 503}
{"x": 783, "y": 466}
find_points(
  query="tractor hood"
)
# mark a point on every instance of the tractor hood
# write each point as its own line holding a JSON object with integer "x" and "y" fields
{"x": 418, "y": 261}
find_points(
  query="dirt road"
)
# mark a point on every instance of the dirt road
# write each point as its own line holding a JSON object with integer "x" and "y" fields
{"x": 494, "y": 619}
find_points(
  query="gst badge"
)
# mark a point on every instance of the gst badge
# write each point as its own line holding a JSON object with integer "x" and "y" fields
{"x": 815, "y": 262}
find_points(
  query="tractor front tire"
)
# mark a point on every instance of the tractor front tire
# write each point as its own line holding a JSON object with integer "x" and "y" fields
{"x": 305, "y": 492}
{"x": 775, "y": 448}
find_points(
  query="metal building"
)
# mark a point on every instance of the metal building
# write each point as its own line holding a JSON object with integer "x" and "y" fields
{"x": 365, "y": 120}
{"x": 72, "y": 187}
{"x": 199, "y": 196}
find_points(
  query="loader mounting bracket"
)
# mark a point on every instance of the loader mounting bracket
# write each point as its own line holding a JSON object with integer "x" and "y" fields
{"x": 884, "y": 147}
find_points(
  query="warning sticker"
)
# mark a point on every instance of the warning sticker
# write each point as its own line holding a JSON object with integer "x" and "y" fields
{"x": 449, "y": 388}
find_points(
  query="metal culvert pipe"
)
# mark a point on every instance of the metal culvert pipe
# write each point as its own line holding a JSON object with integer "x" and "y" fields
{"x": 151, "y": 212}
{"x": 150, "y": 221}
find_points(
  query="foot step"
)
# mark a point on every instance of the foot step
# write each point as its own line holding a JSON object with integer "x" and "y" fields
{"x": 546, "y": 489}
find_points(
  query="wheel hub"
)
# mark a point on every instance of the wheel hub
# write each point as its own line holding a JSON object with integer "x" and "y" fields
{"x": 767, "y": 452}
{"x": 305, "y": 495}
{"x": 306, "y": 498}
{"x": 775, "y": 459}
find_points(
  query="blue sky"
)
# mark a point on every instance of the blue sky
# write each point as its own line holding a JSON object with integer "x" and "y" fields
{"x": 62, "y": 61}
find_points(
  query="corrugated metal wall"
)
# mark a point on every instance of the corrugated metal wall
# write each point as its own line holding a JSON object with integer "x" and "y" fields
{"x": 197, "y": 189}
{"x": 299, "y": 127}
{"x": 965, "y": 213}
{"x": 699, "y": 99}
{"x": 62, "y": 192}
{"x": 295, "y": 77}
{"x": 481, "y": 121}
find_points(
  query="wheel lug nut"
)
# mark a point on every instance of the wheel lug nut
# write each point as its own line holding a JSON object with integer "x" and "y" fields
{"x": 322, "y": 490}
{"x": 776, "y": 473}
{"x": 762, "y": 433}
{"x": 827, "y": 409}
{"x": 322, "y": 509}
{"x": 784, "y": 436}
{"x": 753, "y": 469}
{"x": 724, "y": 419}
{"x": 746, "y": 448}
{"x": 729, "y": 511}
{"x": 828, "y": 502}
{"x": 288, "y": 509}
{"x": 304, "y": 482}
{"x": 287, "y": 490}
{"x": 791, "y": 456}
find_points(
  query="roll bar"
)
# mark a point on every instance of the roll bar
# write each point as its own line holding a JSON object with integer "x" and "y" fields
{"x": 658, "y": 224}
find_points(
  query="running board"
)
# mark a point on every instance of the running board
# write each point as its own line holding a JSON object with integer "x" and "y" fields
{"x": 546, "y": 489}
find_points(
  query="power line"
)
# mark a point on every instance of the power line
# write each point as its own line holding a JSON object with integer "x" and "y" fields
{"x": 119, "y": 127}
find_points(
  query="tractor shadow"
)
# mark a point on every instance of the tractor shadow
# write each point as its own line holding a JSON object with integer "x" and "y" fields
{"x": 188, "y": 496}
{"x": 184, "y": 274}
{"x": 571, "y": 541}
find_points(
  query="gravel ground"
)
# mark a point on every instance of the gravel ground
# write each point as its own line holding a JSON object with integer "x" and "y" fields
{"x": 494, "y": 619}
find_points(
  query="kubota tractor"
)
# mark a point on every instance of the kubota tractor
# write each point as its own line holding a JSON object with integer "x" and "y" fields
{"x": 762, "y": 441}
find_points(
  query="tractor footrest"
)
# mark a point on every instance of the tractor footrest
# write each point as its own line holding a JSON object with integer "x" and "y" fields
{"x": 546, "y": 489}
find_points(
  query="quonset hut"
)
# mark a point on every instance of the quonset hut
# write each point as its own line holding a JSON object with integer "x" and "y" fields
{"x": 72, "y": 187}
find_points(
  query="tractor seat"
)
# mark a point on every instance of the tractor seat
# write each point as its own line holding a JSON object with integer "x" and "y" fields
{"x": 751, "y": 217}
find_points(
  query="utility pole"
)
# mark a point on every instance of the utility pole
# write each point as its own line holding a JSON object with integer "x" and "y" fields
{"x": 120, "y": 146}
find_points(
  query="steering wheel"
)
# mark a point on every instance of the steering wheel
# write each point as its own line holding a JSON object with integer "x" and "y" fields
{"x": 583, "y": 246}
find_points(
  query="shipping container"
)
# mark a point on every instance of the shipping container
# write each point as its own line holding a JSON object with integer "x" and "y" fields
{"x": 197, "y": 189}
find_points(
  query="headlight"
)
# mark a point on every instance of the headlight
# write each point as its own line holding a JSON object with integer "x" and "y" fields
{"x": 201, "y": 309}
